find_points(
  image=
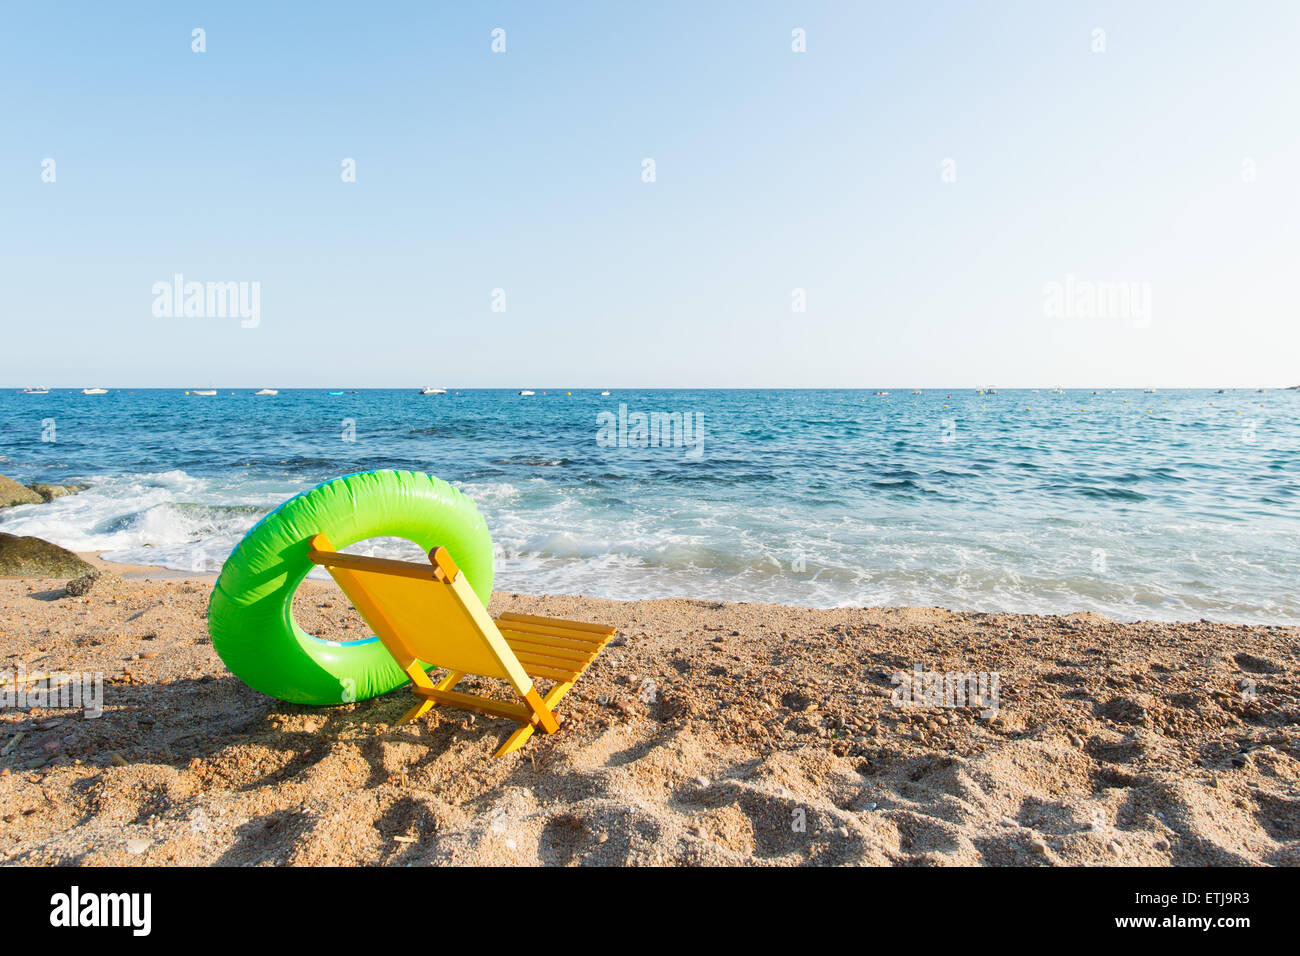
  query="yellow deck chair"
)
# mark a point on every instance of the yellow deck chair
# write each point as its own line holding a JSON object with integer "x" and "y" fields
{"x": 429, "y": 613}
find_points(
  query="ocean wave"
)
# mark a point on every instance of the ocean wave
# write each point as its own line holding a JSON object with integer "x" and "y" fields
{"x": 125, "y": 514}
{"x": 534, "y": 460}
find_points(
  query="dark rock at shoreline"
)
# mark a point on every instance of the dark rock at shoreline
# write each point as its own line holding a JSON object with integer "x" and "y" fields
{"x": 50, "y": 492}
{"x": 12, "y": 493}
{"x": 28, "y": 557}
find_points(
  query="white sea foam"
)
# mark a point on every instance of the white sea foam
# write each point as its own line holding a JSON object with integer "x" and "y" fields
{"x": 553, "y": 537}
{"x": 170, "y": 519}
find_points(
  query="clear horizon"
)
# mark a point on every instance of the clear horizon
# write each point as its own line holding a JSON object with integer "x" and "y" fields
{"x": 651, "y": 388}
{"x": 646, "y": 388}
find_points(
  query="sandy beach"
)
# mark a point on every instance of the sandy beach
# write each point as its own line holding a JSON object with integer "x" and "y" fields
{"x": 708, "y": 733}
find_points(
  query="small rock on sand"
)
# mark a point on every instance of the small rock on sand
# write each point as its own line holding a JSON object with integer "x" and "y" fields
{"x": 94, "y": 580}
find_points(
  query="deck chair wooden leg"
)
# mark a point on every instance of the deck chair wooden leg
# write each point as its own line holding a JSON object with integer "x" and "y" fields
{"x": 520, "y": 736}
{"x": 450, "y": 681}
{"x": 419, "y": 710}
{"x": 516, "y": 740}
{"x": 425, "y": 704}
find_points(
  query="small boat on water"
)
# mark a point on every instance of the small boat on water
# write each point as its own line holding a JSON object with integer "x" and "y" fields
{"x": 36, "y": 391}
{"x": 1149, "y": 391}
{"x": 917, "y": 391}
{"x": 432, "y": 391}
{"x": 527, "y": 391}
{"x": 94, "y": 391}
{"x": 604, "y": 393}
{"x": 204, "y": 391}
{"x": 336, "y": 393}
{"x": 267, "y": 391}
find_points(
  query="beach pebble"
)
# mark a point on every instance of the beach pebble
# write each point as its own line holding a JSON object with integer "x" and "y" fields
{"x": 1038, "y": 846}
{"x": 137, "y": 845}
{"x": 701, "y": 781}
{"x": 92, "y": 580}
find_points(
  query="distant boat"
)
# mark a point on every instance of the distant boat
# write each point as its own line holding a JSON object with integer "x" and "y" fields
{"x": 917, "y": 391}
{"x": 1058, "y": 391}
{"x": 527, "y": 391}
{"x": 880, "y": 393}
{"x": 94, "y": 391}
{"x": 432, "y": 391}
{"x": 336, "y": 393}
{"x": 604, "y": 393}
{"x": 1149, "y": 391}
{"x": 42, "y": 391}
{"x": 267, "y": 391}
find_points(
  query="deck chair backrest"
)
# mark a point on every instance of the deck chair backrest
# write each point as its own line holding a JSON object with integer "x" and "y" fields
{"x": 420, "y": 610}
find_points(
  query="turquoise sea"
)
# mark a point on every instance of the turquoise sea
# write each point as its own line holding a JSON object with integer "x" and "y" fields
{"x": 1168, "y": 505}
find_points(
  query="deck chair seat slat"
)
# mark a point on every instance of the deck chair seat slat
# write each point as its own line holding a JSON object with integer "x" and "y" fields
{"x": 540, "y": 630}
{"x": 603, "y": 629}
{"x": 548, "y": 650}
{"x": 585, "y": 638}
{"x": 549, "y": 671}
{"x": 527, "y": 657}
{"x": 541, "y": 640}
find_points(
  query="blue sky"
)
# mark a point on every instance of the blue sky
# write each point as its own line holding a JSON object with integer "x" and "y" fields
{"x": 1170, "y": 160}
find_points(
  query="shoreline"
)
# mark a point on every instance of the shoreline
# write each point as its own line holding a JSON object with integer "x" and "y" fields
{"x": 150, "y": 572}
{"x": 139, "y": 572}
{"x": 699, "y": 737}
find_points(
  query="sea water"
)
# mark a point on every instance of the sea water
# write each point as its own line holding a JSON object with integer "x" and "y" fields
{"x": 1172, "y": 505}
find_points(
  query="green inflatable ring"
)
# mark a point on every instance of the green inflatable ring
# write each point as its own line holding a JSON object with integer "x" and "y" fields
{"x": 250, "y": 616}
